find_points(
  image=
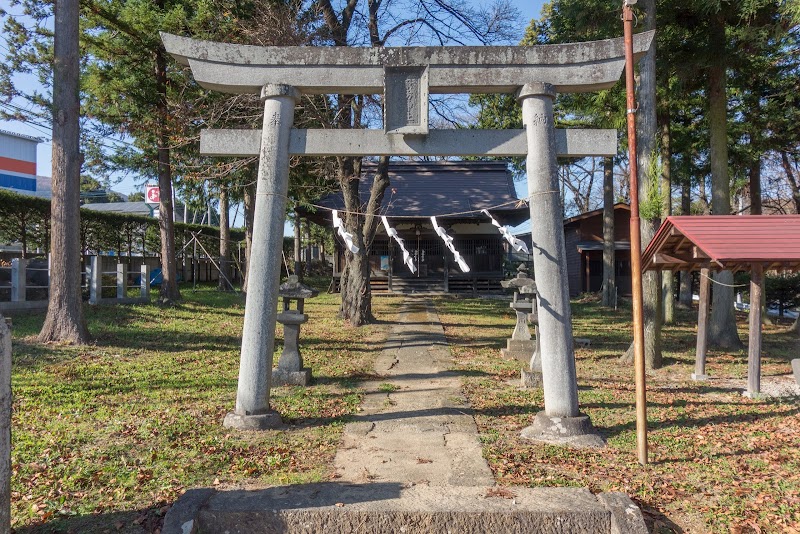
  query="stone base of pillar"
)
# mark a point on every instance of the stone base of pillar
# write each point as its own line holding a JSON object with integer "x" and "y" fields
{"x": 264, "y": 421}
{"x": 281, "y": 377}
{"x": 697, "y": 377}
{"x": 576, "y": 432}
{"x": 796, "y": 370}
{"x": 518, "y": 350}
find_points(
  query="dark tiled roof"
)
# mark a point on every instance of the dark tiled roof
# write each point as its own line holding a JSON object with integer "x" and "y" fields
{"x": 423, "y": 189}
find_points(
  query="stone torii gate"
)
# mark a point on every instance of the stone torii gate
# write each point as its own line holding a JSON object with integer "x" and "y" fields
{"x": 406, "y": 76}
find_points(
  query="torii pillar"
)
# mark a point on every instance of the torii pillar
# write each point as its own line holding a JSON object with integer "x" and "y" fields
{"x": 560, "y": 422}
{"x": 258, "y": 335}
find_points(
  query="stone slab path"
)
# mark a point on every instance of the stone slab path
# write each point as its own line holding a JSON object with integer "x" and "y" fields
{"x": 415, "y": 426}
{"x": 409, "y": 462}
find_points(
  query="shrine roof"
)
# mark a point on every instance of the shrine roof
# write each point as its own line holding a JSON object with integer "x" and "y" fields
{"x": 733, "y": 242}
{"x": 458, "y": 190}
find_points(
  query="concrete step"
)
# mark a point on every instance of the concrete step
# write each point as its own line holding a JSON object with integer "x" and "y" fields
{"x": 391, "y": 507}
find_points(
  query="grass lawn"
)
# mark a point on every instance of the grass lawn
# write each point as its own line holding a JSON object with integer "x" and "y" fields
{"x": 719, "y": 461}
{"x": 106, "y": 436}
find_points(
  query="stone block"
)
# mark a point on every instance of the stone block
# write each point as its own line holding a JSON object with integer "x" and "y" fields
{"x": 530, "y": 379}
{"x": 626, "y": 518}
{"x": 181, "y": 516}
{"x": 281, "y": 377}
{"x": 796, "y": 370}
{"x": 395, "y": 507}
{"x": 518, "y": 350}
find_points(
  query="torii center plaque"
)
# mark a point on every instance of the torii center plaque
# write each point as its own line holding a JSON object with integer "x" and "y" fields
{"x": 406, "y": 76}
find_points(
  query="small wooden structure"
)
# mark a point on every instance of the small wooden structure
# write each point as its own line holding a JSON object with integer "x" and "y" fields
{"x": 583, "y": 239}
{"x": 727, "y": 242}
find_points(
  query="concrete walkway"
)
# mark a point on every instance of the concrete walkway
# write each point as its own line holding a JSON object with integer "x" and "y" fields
{"x": 415, "y": 426}
{"x": 409, "y": 462}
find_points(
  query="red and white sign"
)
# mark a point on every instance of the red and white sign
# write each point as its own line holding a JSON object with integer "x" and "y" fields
{"x": 153, "y": 194}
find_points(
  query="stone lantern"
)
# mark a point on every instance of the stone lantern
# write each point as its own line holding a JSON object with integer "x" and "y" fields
{"x": 520, "y": 346}
{"x": 290, "y": 370}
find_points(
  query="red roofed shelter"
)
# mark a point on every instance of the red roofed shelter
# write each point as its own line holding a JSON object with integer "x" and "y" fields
{"x": 727, "y": 242}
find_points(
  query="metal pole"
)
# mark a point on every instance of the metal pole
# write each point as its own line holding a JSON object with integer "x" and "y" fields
{"x": 636, "y": 243}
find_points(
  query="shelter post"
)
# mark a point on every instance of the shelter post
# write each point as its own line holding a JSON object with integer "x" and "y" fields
{"x": 754, "y": 349}
{"x": 702, "y": 327}
{"x": 258, "y": 336}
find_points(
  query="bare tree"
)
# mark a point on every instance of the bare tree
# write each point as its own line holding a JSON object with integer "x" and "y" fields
{"x": 64, "y": 321}
{"x": 376, "y": 23}
{"x": 579, "y": 180}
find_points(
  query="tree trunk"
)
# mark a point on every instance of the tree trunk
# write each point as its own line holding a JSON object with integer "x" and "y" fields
{"x": 64, "y": 321}
{"x": 646, "y": 147}
{"x": 685, "y": 290}
{"x": 249, "y": 213}
{"x": 755, "y": 187}
{"x": 297, "y": 244}
{"x": 308, "y": 248}
{"x": 703, "y": 195}
{"x": 356, "y": 307}
{"x": 609, "y": 276}
{"x": 667, "y": 277}
{"x": 166, "y": 223}
{"x": 754, "y": 175}
{"x": 793, "y": 182}
{"x": 224, "y": 240}
{"x": 722, "y": 331}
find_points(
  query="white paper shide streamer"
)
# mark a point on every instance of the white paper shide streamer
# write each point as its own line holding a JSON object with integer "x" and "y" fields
{"x": 518, "y": 244}
{"x": 448, "y": 241}
{"x": 391, "y": 232}
{"x": 347, "y": 236}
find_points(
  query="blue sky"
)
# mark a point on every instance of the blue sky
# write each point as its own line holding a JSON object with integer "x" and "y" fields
{"x": 529, "y": 9}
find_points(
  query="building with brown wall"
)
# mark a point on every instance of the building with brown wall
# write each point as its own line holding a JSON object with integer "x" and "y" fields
{"x": 583, "y": 239}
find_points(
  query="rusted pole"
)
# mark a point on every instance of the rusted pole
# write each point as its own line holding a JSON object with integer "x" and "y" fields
{"x": 702, "y": 327}
{"x": 636, "y": 243}
{"x": 754, "y": 348}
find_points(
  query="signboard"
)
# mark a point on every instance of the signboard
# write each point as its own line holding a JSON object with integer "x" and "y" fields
{"x": 152, "y": 194}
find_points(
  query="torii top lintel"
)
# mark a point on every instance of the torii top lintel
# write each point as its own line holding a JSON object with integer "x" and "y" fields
{"x": 570, "y": 68}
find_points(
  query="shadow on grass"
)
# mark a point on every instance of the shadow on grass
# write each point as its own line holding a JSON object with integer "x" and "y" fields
{"x": 657, "y": 522}
{"x": 144, "y": 521}
{"x": 698, "y": 422}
